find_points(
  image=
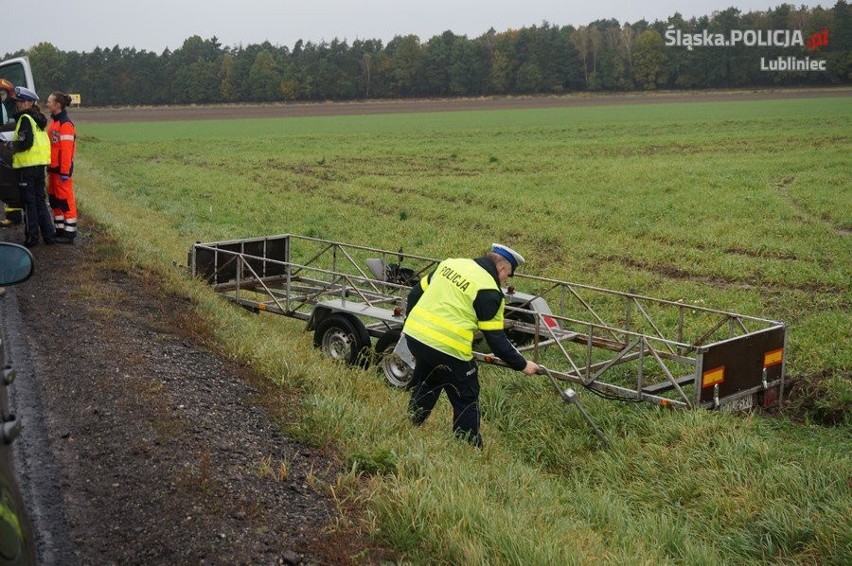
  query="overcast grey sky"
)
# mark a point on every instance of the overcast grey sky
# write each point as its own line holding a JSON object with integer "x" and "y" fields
{"x": 154, "y": 25}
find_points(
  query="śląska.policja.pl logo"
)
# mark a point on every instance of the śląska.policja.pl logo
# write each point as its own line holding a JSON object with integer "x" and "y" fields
{"x": 758, "y": 38}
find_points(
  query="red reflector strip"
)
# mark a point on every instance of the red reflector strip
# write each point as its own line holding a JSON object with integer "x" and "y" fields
{"x": 712, "y": 377}
{"x": 549, "y": 321}
{"x": 773, "y": 358}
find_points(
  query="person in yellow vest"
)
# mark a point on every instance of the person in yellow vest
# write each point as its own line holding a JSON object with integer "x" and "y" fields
{"x": 30, "y": 155}
{"x": 445, "y": 310}
{"x": 13, "y": 215}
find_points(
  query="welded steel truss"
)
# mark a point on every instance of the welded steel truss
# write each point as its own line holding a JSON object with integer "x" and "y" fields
{"x": 617, "y": 344}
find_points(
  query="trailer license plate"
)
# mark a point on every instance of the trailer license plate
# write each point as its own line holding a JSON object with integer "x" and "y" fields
{"x": 739, "y": 405}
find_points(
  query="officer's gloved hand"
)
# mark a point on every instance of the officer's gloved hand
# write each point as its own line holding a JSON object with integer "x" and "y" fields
{"x": 64, "y": 177}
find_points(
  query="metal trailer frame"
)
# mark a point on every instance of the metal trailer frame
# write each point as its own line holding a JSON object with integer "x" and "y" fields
{"x": 619, "y": 345}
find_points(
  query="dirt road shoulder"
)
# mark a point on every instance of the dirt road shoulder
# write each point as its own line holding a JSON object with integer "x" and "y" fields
{"x": 165, "y": 451}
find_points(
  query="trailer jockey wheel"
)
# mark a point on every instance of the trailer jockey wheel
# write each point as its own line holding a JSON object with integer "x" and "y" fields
{"x": 343, "y": 338}
{"x": 396, "y": 371}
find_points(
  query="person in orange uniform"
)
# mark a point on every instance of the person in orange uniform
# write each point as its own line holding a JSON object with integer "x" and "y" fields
{"x": 7, "y": 103}
{"x": 60, "y": 187}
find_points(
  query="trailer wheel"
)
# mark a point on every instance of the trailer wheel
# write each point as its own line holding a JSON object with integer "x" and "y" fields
{"x": 517, "y": 337}
{"x": 344, "y": 339}
{"x": 396, "y": 371}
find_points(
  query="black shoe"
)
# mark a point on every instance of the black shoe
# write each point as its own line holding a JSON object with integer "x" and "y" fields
{"x": 65, "y": 239}
{"x": 30, "y": 243}
{"x": 50, "y": 242}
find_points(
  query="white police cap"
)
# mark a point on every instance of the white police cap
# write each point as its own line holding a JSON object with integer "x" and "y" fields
{"x": 514, "y": 257}
{"x": 23, "y": 93}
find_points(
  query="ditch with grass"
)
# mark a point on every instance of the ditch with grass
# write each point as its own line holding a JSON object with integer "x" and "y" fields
{"x": 742, "y": 206}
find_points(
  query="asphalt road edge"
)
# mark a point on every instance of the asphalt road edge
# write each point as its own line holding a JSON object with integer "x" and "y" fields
{"x": 37, "y": 474}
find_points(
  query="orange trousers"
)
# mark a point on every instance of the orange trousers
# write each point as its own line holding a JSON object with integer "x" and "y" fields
{"x": 61, "y": 197}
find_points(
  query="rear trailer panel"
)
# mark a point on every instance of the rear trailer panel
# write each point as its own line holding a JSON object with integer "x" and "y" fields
{"x": 619, "y": 345}
{"x": 743, "y": 366}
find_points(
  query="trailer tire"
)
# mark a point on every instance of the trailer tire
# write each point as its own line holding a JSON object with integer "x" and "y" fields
{"x": 396, "y": 371}
{"x": 343, "y": 338}
{"x": 516, "y": 337}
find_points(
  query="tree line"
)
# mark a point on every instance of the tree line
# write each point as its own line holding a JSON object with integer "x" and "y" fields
{"x": 544, "y": 59}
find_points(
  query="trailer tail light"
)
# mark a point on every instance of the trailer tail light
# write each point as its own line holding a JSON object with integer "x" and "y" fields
{"x": 773, "y": 357}
{"x": 549, "y": 321}
{"x": 712, "y": 377}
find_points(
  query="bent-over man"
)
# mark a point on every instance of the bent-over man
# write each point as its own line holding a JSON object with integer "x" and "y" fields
{"x": 445, "y": 310}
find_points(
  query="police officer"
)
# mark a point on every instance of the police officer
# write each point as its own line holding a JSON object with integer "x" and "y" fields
{"x": 30, "y": 154}
{"x": 444, "y": 312}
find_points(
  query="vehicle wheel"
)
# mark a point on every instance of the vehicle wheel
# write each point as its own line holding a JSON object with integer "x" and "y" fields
{"x": 516, "y": 337}
{"x": 396, "y": 371}
{"x": 344, "y": 339}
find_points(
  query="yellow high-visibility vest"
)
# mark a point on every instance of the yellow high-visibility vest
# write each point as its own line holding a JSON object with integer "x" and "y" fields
{"x": 38, "y": 153}
{"x": 444, "y": 318}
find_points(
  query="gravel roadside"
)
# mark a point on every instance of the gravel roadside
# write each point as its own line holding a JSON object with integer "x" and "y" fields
{"x": 157, "y": 449}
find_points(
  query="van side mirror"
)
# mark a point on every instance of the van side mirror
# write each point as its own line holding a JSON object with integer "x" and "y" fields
{"x": 16, "y": 264}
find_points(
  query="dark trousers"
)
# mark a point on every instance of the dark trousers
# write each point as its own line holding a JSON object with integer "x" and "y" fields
{"x": 36, "y": 213}
{"x": 436, "y": 372}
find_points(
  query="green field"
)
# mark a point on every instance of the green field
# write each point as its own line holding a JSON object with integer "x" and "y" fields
{"x": 741, "y": 206}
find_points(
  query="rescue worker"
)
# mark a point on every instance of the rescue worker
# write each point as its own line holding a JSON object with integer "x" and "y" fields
{"x": 30, "y": 154}
{"x": 7, "y": 102}
{"x": 444, "y": 312}
{"x": 13, "y": 215}
{"x": 60, "y": 189}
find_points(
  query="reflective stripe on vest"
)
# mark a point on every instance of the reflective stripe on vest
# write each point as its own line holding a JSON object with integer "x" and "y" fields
{"x": 444, "y": 318}
{"x": 38, "y": 153}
